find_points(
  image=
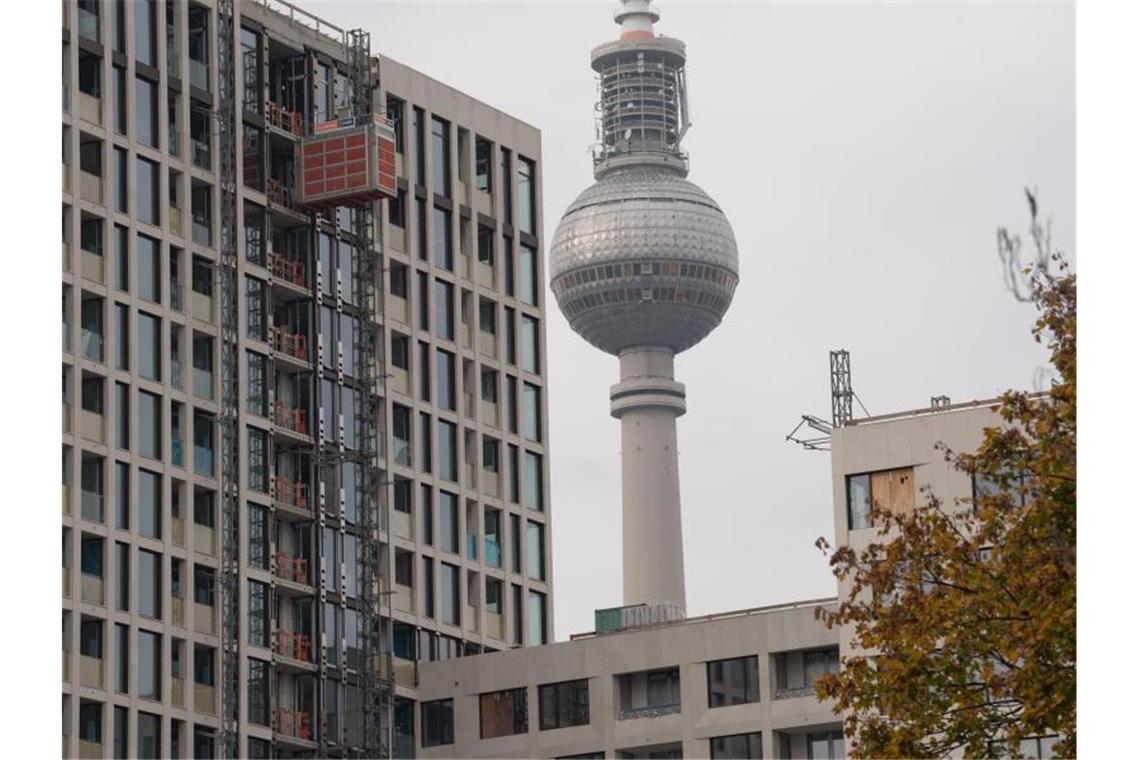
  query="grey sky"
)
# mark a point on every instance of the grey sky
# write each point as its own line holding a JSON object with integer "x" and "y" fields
{"x": 864, "y": 154}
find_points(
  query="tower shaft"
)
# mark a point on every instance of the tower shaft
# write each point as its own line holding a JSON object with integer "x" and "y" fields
{"x": 648, "y": 401}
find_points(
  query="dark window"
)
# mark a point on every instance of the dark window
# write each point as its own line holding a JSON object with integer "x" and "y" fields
{"x": 734, "y": 682}
{"x": 146, "y": 189}
{"x": 258, "y": 692}
{"x": 146, "y": 108}
{"x": 394, "y": 110}
{"x": 438, "y": 723}
{"x": 150, "y": 665}
{"x": 441, "y": 239}
{"x": 528, "y": 274}
{"x": 258, "y": 614}
{"x": 150, "y": 584}
{"x": 444, "y": 311}
{"x": 526, "y": 195}
{"x": 485, "y": 245}
{"x": 502, "y": 713}
{"x": 483, "y": 169}
{"x": 440, "y": 157}
{"x": 565, "y": 704}
{"x": 735, "y": 746}
{"x": 827, "y": 744}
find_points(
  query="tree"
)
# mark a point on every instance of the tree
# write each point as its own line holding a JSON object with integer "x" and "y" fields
{"x": 968, "y": 611}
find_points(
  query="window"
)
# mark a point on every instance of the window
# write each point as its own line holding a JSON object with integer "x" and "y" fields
{"x": 438, "y": 721}
{"x": 258, "y": 460}
{"x": 449, "y": 522}
{"x": 425, "y": 371}
{"x": 257, "y": 387}
{"x": 444, "y": 311}
{"x": 118, "y": 91}
{"x": 121, "y": 718}
{"x": 150, "y": 584}
{"x": 425, "y": 442}
{"x": 146, "y": 108}
{"x": 649, "y": 693}
{"x": 440, "y": 157}
{"x": 119, "y": 237}
{"x": 734, "y": 682}
{"x": 400, "y": 352}
{"x": 145, "y": 33}
{"x": 123, "y": 411}
{"x": 445, "y": 379}
{"x": 528, "y": 273}
{"x": 258, "y": 691}
{"x": 512, "y": 406}
{"x": 91, "y": 329}
{"x": 890, "y": 490}
{"x": 258, "y": 536}
{"x": 150, "y": 425}
{"x": 427, "y": 585}
{"x": 502, "y": 713}
{"x": 402, "y": 434}
{"x": 146, "y": 188}
{"x": 150, "y": 665}
{"x": 150, "y": 347}
{"x": 91, "y": 638}
{"x": 485, "y": 245}
{"x": 255, "y": 309}
{"x": 561, "y": 705}
{"x": 532, "y": 416}
{"x": 448, "y": 466}
{"x": 120, "y": 180}
{"x": 449, "y": 592}
{"x": 444, "y": 256}
{"x": 91, "y": 722}
{"x": 530, "y": 344}
{"x": 258, "y": 614}
{"x": 203, "y": 740}
{"x": 251, "y": 70}
{"x": 491, "y": 459}
{"x": 150, "y": 504}
{"x": 536, "y": 618}
{"x": 1009, "y": 487}
{"x": 483, "y": 170}
{"x": 505, "y": 168}
{"x": 828, "y": 744}
{"x": 532, "y": 480}
{"x": 535, "y": 554}
{"x": 526, "y": 195}
{"x": 122, "y": 496}
{"x": 735, "y": 745}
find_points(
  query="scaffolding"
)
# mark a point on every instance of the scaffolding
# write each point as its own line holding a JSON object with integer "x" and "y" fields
{"x": 228, "y": 407}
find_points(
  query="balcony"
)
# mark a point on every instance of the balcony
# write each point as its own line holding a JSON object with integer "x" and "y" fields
{"x": 199, "y": 75}
{"x": 174, "y": 139}
{"x": 293, "y": 495}
{"x": 205, "y": 540}
{"x": 204, "y": 623}
{"x": 655, "y": 711}
{"x": 484, "y": 201}
{"x": 402, "y": 452}
{"x": 292, "y": 419}
{"x": 175, "y": 219}
{"x": 178, "y": 611}
{"x": 293, "y": 646}
{"x": 289, "y": 345}
{"x": 90, "y": 750}
{"x": 404, "y": 598}
{"x": 93, "y": 426}
{"x": 176, "y": 295}
{"x": 277, "y": 192}
{"x": 490, "y": 413}
{"x": 201, "y": 306}
{"x": 88, "y": 25}
{"x": 90, "y": 109}
{"x": 484, "y": 275}
{"x": 204, "y": 461}
{"x": 91, "y": 505}
{"x": 172, "y": 60}
{"x": 90, "y": 672}
{"x": 91, "y": 265}
{"x": 92, "y": 344}
{"x": 488, "y": 344}
{"x": 90, "y": 185}
{"x": 471, "y": 617}
{"x": 177, "y": 692}
{"x": 291, "y": 569}
{"x": 397, "y": 238}
{"x": 472, "y": 546}
{"x": 278, "y": 117}
{"x": 91, "y": 591}
{"x": 200, "y": 154}
{"x": 203, "y": 383}
{"x": 292, "y": 723}
{"x": 204, "y": 698}
{"x": 491, "y": 483}
{"x": 492, "y": 552}
{"x": 402, "y": 525}
{"x": 288, "y": 271}
{"x": 470, "y": 471}
{"x": 495, "y": 625}
{"x": 398, "y": 379}
{"x": 203, "y": 229}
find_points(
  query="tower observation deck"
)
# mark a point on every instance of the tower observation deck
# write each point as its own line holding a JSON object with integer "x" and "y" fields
{"x": 644, "y": 266}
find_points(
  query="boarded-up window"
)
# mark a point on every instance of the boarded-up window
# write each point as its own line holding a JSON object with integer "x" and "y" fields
{"x": 502, "y": 713}
{"x": 893, "y": 490}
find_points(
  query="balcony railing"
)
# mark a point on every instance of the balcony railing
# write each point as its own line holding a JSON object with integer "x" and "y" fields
{"x": 176, "y": 372}
{"x": 204, "y": 461}
{"x": 88, "y": 25}
{"x": 200, "y": 153}
{"x": 199, "y": 75}
{"x": 402, "y": 451}
{"x": 795, "y": 693}
{"x": 291, "y": 344}
{"x": 289, "y": 121}
{"x": 176, "y": 295}
{"x": 172, "y": 60}
{"x": 654, "y": 711}
{"x": 291, "y": 492}
{"x": 92, "y": 344}
{"x": 292, "y": 723}
{"x": 91, "y": 505}
{"x": 472, "y": 546}
{"x": 492, "y": 552}
{"x": 290, "y": 568}
{"x": 176, "y": 453}
{"x": 203, "y": 230}
{"x": 278, "y": 193}
{"x": 174, "y": 139}
{"x": 290, "y": 271}
{"x": 291, "y": 418}
{"x": 296, "y": 646}
{"x": 203, "y": 383}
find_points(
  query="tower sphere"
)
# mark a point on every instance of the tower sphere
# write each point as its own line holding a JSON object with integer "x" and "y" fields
{"x": 643, "y": 257}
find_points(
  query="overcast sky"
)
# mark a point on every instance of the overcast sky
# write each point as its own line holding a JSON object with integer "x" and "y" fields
{"x": 864, "y": 155}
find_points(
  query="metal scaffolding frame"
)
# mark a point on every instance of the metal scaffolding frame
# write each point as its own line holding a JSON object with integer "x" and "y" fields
{"x": 841, "y": 393}
{"x": 228, "y": 407}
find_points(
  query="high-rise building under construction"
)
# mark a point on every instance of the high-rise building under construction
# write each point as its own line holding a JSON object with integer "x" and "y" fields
{"x": 304, "y": 404}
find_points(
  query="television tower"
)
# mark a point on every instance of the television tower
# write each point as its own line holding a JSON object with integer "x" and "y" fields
{"x": 644, "y": 266}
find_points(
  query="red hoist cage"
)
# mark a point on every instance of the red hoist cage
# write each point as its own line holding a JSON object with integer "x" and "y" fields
{"x": 347, "y": 163}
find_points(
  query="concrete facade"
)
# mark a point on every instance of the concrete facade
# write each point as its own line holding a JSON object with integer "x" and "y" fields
{"x": 783, "y": 717}
{"x": 140, "y": 369}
